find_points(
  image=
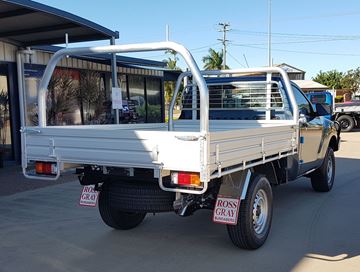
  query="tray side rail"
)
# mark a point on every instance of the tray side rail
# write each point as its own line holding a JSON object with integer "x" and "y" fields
{"x": 236, "y": 150}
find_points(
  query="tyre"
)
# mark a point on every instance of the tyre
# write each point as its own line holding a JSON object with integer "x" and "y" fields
{"x": 139, "y": 196}
{"x": 322, "y": 179}
{"x": 346, "y": 123}
{"x": 255, "y": 215}
{"x": 114, "y": 217}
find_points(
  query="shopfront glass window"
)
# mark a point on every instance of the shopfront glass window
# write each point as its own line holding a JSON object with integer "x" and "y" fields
{"x": 5, "y": 125}
{"x": 153, "y": 90}
{"x": 122, "y": 85}
{"x": 63, "y": 99}
{"x": 91, "y": 97}
{"x": 137, "y": 97}
{"x": 33, "y": 75}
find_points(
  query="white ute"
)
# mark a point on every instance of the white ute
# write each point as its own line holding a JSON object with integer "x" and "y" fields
{"x": 184, "y": 165}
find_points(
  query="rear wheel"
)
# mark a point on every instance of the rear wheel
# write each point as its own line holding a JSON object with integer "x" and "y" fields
{"x": 322, "y": 180}
{"x": 255, "y": 216}
{"x": 115, "y": 217}
{"x": 346, "y": 123}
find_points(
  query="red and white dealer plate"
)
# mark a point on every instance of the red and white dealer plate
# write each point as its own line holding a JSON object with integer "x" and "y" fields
{"x": 226, "y": 210}
{"x": 89, "y": 196}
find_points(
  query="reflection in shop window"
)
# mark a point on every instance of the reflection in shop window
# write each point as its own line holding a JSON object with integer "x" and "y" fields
{"x": 5, "y": 126}
{"x": 153, "y": 91}
{"x": 33, "y": 75}
{"x": 122, "y": 85}
{"x": 62, "y": 99}
{"x": 137, "y": 97}
{"x": 91, "y": 97}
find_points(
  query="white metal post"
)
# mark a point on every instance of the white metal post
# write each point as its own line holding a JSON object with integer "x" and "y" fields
{"x": 114, "y": 78}
{"x": 167, "y": 33}
{"x": 268, "y": 96}
{"x": 194, "y": 101}
{"x": 269, "y": 34}
{"x": 20, "y": 80}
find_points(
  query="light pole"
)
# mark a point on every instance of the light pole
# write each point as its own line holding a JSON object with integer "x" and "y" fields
{"x": 224, "y": 29}
{"x": 269, "y": 34}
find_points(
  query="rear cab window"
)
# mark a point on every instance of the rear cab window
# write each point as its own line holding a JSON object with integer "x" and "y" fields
{"x": 240, "y": 100}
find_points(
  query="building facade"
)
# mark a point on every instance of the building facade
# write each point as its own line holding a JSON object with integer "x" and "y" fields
{"x": 80, "y": 89}
{"x": 293, "y": 72}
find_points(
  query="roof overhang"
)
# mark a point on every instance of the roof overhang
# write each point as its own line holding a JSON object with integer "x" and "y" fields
{"x": 289, "y": 68}
{"x": 310, "y": 84}
{"x": 27, "y": 23}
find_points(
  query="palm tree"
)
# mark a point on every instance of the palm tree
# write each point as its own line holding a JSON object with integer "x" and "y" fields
{"x": 214, "y": 60}
{"x": 171, "y": 63}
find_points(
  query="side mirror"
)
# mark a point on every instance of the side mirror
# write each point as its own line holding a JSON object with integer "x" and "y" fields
{"x": 322, "y": 109}
{"x": 304, "y": 111}
{"x": 302, "y": 119}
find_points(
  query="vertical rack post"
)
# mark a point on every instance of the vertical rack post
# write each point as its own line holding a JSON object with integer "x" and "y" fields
{"x": 114, "y": 78}
{"x": 268, "y": 96}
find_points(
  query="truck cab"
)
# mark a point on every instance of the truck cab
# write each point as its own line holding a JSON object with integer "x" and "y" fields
{"x": 317, "y": 131}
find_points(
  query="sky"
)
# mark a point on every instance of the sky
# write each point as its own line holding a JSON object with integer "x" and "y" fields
{"x": 311, "y": 35}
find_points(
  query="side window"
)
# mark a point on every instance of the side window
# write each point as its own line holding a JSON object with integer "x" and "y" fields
{"x": 303, "y": 103}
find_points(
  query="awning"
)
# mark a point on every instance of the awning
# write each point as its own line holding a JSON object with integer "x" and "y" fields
{"x": 27, "y": 23}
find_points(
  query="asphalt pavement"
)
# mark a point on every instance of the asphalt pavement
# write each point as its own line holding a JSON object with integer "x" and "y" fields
{"x": 12, "y": 180}
{"x": 46, "y": 230}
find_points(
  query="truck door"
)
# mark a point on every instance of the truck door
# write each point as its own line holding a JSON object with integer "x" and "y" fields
{"x": 311, "y": 130}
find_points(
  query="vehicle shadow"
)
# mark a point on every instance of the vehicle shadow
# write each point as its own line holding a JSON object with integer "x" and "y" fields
{"x": 306, "y": 224}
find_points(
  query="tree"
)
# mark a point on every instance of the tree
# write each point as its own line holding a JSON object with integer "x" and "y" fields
{"x": 4, "y": 116}
{"x": 61, "y": 98}
{"x": 352, "y": 79}
{"x": 171, "y": 63}
{"x": 333, "y": 79}
{"x": 4, "y": 119}
{"x": 89, "y": 95}
{"x": 214, "y": 60}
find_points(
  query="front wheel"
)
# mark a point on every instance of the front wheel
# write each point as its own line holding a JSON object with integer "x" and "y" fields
{"x": 322, "y": 180}
{"x": 255, "y": 215}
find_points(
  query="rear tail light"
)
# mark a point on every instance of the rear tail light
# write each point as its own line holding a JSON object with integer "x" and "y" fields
{"x": 185, "y": 178}
{"x": 45, "y": 168}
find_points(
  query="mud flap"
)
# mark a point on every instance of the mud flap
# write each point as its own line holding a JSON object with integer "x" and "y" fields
{"x": 233, "y": 189}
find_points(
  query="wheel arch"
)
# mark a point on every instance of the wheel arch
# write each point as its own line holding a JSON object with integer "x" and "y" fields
{"x": 334, "y": 143}
{"x": 269, "y": 170}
